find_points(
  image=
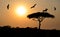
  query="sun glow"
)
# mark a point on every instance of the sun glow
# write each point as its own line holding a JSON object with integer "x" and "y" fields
{"x": 21, "y": 11}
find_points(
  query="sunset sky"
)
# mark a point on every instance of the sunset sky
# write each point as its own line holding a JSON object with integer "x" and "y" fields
{"x": 13, "y": 18}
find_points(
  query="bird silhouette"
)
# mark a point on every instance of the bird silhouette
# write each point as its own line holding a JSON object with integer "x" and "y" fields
{"x": 8, "y": 6}
{"x": 54, "y": 8}
{"x": 45, "y": 9}
{"x": 33, "y": 6}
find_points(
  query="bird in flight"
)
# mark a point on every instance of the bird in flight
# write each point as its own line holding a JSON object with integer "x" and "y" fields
{"x": 33, "y": 6}
{"x": 8, "y": 6}
{"x": 54, "y": 8}
{"x": 45, "y": 9}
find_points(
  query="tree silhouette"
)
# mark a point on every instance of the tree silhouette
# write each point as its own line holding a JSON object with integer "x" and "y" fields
{"x": 40, "y": 16}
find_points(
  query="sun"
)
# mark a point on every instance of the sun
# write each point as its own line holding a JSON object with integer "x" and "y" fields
{"x": 21, "y": 10}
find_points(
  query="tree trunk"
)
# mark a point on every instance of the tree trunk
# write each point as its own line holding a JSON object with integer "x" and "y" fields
{"x": 40, "y": 19}
{"x": 39, "y": 24}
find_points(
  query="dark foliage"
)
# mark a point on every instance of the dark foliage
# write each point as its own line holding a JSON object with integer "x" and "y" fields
{"x": 40, "y": 14}
{"x": 34, "y": 15}
{"x": 7, "y": 31}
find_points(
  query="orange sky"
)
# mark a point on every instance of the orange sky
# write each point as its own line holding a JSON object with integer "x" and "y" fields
{"x": 8, "y": 17}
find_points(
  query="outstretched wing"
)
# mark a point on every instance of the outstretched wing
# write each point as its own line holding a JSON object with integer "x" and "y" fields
{"x": 33, "y": 6}
{"x": 8, "y": 6}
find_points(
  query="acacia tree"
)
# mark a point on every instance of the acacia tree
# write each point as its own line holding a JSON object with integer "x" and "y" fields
{"x": 40, "y": 16}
